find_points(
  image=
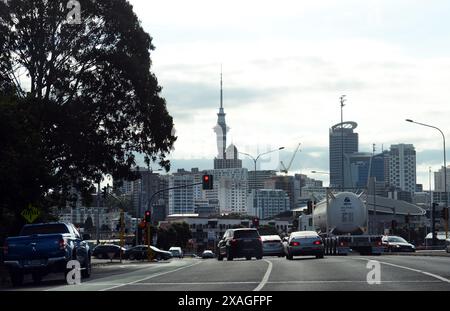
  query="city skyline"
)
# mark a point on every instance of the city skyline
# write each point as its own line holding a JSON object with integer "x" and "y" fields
{"x": 284, "y": 68}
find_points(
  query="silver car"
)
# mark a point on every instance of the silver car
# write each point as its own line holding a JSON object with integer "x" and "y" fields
{"x": 303, "y": 243}
{"x": 272, "y": 245}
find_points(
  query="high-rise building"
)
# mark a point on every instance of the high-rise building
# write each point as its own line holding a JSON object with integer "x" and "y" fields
{"x": 287, "y": 183}
{"x": 226, "y": 157}
{"x": 402, "y": 167}
{"x": 343, "y": 140}
{"x": 230, "y": 189}
{"x": 141, "y": 190}
{"x": 256, "y": 180}
{"x": 181, "y": 200}
{"x": 439, "y": 180}
{"x": 268, "y": 202}
{"x": 360, "y": 167}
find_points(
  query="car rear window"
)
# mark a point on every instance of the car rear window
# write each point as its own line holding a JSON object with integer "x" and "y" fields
{"x": 45, "y": 229}
{"x": 246, "y": 234}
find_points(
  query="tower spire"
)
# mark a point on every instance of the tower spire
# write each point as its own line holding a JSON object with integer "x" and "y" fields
{"x": 221, "y": 89}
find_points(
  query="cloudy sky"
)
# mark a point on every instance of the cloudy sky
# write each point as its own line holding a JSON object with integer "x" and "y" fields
{"x": 285, "y": 65}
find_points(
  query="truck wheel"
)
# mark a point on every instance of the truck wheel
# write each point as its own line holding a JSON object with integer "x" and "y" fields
{"x": 16, "y": 278}
{"x": 37, "y": 277}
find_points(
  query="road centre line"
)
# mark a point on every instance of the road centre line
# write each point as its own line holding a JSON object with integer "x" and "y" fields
{"x": 266, "y": 276}
{"x": 150, "y": 277}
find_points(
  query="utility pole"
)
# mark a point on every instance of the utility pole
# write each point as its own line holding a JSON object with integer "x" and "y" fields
{"x": 97, "y": 221}
{"x": 342, "y": 100}
{"x": 374, "y": 193}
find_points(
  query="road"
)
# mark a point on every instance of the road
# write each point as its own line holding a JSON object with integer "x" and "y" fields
{"x": 410, "y": 273}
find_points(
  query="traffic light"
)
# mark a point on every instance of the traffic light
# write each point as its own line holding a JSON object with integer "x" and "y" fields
{"x": 444, "y": 213}
{"x": 207, "y": 182}
{"x": 148, "y": 217}
{"x": 255, "y": 222}
{"x": 309, "y": 209}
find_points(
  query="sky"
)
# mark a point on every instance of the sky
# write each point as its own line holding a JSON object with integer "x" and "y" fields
{"x": 286, "y": 63}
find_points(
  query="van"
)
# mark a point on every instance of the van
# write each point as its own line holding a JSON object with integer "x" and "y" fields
{"x": 176, "y": 251}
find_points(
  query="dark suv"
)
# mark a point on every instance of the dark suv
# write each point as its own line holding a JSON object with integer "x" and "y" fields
{"x": 237, "y": 243}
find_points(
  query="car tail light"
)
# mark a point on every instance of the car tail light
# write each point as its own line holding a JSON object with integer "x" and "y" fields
{"x": 379, "y": 243}
{"x": 343, "y": 243}
{"x": 233, "y": 242}
{"x": 295, "y": 243}
{"x": 62, "y": 244}
{"x": 318, "y": 242}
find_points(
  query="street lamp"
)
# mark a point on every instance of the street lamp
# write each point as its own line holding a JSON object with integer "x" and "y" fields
{"x": 255, "y": 159}
{"x": 445, "y": 170}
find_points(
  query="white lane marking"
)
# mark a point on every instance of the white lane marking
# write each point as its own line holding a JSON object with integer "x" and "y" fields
{"x": 150, "y": 277}
{"x": 410, "y": 269}
{"x": 265, "y": 278}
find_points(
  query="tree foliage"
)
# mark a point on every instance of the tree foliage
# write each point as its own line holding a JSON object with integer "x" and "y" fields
{"x": 79, "y": 100}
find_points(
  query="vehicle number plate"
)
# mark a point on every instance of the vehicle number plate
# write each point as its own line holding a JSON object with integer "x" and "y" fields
{"x": 248, "y": 241}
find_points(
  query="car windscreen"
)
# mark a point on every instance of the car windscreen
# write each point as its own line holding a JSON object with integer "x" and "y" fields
{"x": 44, "y": 229}
{"x": 245, "y": 234}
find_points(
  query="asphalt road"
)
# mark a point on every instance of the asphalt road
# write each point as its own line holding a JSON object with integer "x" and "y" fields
{"x": 410, "y": 273}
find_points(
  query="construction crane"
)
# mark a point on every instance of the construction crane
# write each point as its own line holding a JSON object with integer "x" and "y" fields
{"x": 285, "y": 169}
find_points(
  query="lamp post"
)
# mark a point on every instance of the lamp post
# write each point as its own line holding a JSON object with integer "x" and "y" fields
{"x": 255, "y": 160}
{"x": 445, "y": 169}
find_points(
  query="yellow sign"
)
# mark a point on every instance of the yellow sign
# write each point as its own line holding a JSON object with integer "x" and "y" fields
{"x": 31, "y": 213}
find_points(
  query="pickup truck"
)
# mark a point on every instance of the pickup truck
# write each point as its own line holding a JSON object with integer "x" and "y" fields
{"x": 45, "y": 248}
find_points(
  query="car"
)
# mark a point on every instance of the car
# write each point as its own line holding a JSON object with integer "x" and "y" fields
{"x": 207, "y": 254}
{"x": 272, "y": 245}
{"x": 104, "y": 251}
{"x": 447, "y": 245}
{"x": 161, "y": 254}
{"x": 44, "y": 248}
{"x": 239, "y": 243}
{"x": 303, "y": 243}
{"x": 140, "y": 252}
{"x": 394, "y": 243}
{"x": 176, "y": 251}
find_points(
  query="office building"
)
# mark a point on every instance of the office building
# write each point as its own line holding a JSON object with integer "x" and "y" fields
{"x": 402, "y": 167}
{"x": 343, "y": 140}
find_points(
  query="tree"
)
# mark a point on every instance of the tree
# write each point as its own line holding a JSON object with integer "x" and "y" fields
{"x": 81, "y": 96}
{"x": 183, "y": 233}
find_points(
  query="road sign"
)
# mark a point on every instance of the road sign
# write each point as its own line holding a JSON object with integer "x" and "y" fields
{"x": 31, "y": 213}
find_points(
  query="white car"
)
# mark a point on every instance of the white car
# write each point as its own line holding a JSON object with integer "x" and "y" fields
{"x": 176, "y": 251}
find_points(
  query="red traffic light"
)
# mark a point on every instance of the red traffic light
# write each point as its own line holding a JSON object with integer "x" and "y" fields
{"x": 207, "y": 182}
{"x": 147, "y": 217}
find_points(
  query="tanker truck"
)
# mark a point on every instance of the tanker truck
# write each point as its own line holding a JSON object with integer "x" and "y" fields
{"x": 342, "y": 220}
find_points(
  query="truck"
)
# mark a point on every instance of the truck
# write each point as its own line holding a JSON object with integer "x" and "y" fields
{"x": 341, "y": 219}
{"x": 45, "y": 248}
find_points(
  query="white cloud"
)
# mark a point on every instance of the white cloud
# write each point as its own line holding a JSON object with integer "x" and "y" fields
{"x": 286, "y": 64}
